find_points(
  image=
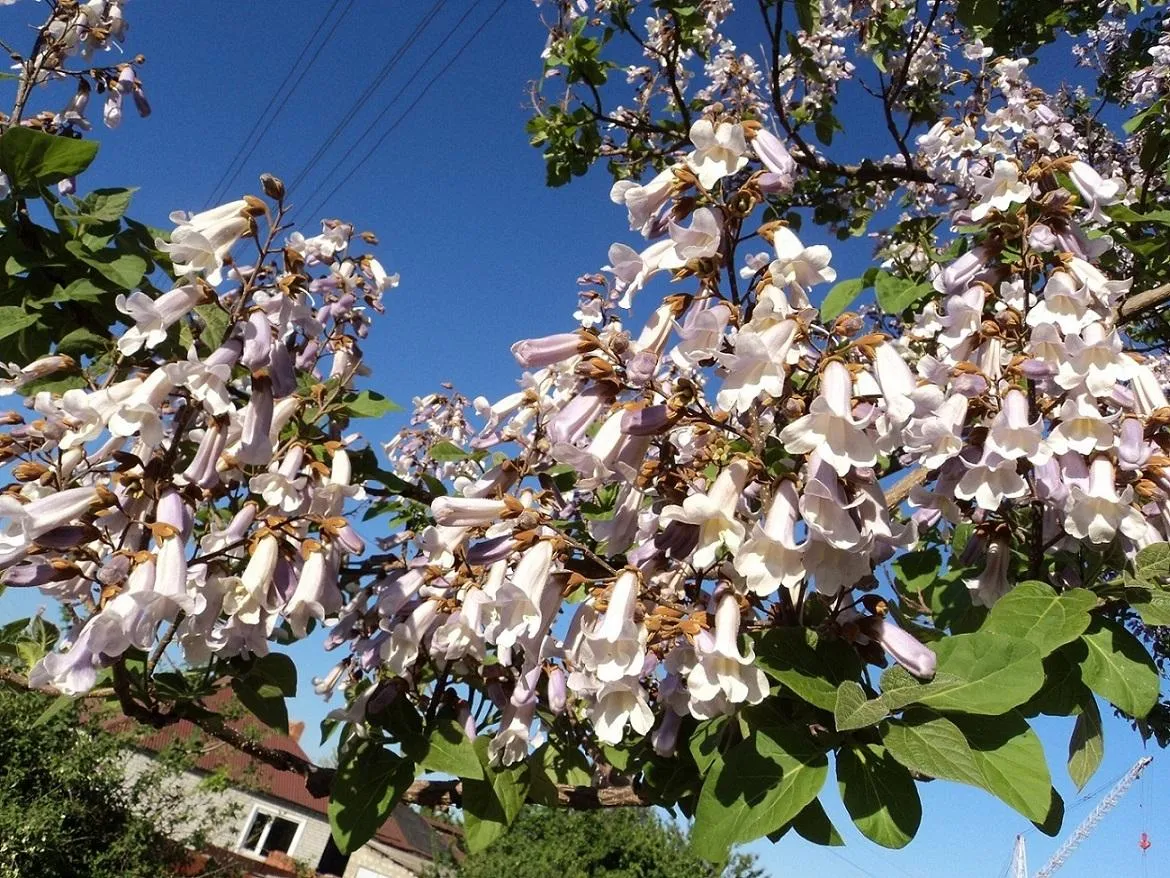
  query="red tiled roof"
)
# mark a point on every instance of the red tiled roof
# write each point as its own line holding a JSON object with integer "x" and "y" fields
{"x": 405, "y": 829}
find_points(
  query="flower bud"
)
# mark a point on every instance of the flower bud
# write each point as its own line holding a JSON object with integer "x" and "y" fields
{"x": 273, "y": 186}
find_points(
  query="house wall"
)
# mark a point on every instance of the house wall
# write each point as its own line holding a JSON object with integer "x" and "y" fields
{"x": 379, "y": 861}
{"x": 236, "y": 806}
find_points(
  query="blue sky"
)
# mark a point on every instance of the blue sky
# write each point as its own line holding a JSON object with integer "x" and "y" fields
{"x": 487, "y": 255}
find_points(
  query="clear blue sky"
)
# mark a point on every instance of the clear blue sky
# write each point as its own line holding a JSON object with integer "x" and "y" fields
{"x": 487, "y": 255}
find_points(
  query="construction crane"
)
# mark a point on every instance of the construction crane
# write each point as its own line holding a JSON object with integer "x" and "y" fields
{"x": 1019, "y": 856}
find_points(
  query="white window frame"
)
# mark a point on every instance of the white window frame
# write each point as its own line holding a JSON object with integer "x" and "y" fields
{"x": 270, "y": 812}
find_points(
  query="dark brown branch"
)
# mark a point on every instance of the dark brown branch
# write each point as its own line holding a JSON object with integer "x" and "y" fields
{"x": 865, "y": 172}
{"x": 443, "y": 793}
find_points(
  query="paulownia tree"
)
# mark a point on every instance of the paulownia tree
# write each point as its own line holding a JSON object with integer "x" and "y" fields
{"x": 671, "y": 567}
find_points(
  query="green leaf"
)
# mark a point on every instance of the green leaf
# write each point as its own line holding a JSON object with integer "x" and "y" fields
{"x": 1152, "y": 604}
{"x": 1063, "y": 689}
{"x": 13, "y": 319}
{"x": 979, "y": 15}
{"x": 448, "y": 452}
{"x": 405, "y": 724}
{"x": 760, "y": 785}
{"x": 853, "y": 710}
{"x": 369, "y": 404}
{"x": 265, "y": 685}
{"x": 104, "y": 205}
{"x": 934, "y": 746}
{"x": 809, "y": 665}
{"x": 813, "y": 824}
{"x": 879, "y": 795}
{"x": 60, "y": 703}
{"x": 367, "y": 787}
{"x": 450, "y": 751}
{"x": 839, "y": 297}
{"x": 277, "y": 669}
{"x": 490, "y": 805}
{"x": 81, "y": 290}
{"x": 124, "y": 270}
{"x": 264, "y": 700}
{"x": 1118, "y": 668}
{"x": 808, "y": 14}
{"x": 895, "y": 294}
{"x": 32, "y": 158}
{"x": 706, "y": 741}
{"x": 550, "y": 766}
{"x": 215, "y": 323}
{"x": 81, "y": 342}
{"x": 1152, "y": 112}
{"x": 1034, "y": 612}
{"x": 916, "y": 570}
{"x": 983, "y": 673}
{"x": 1152, "y": 564}
{"x": 1054, "y": 819}
{"x": 1011, "y": 758}
{"x": 1086, "y": 747}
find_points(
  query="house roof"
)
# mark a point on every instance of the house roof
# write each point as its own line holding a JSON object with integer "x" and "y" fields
{"x": 405, "y": 829}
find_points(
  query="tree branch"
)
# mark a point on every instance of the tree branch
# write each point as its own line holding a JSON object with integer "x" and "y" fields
{"x": 443, "y": 793}
{"x": 1135, "y": 307}
{"x": 901, "y": 489}
{"x": 12, "y": 678}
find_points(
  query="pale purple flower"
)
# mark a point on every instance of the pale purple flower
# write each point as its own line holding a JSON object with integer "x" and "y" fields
{"x": 713, "y": 513}
{"x": 830, "y": 428}
{"x": 720, "y": 151}
{"x": 771, "y": 557}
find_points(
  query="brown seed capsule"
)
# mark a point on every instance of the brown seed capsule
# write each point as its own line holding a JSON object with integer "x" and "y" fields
{"x": 255, "y": 207}
{"x": 1148, "y": 491}
{"x": 848, "y": 324}
{"x": 29, "y": 471}
{"x": 743, "y": 202}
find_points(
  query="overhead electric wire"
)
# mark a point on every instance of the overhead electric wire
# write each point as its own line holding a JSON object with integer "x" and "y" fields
{"x": 450, "y": 63}
{"x": 372, "y": 127}
{"x": 268, "y": 116}
{"x": 366, "y": 94}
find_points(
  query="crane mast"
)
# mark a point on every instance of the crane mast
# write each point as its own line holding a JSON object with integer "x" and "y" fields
{"x": 1020, "y": 859}
{"x": 1084, "y": 830}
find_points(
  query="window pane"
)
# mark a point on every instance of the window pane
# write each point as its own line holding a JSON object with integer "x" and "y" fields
{"x": 280, "y": 836}
{"x": 252, "y": 839}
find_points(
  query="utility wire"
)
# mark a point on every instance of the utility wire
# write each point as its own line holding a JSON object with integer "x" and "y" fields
{"x": 268, "y": 116}
{"x": 372, "y": 128}
{"x": 366, "y": 156}
{"x": 361, "y": 100}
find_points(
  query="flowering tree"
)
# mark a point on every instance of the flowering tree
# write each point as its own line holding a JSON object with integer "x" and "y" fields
{"x": 669, "y": 568}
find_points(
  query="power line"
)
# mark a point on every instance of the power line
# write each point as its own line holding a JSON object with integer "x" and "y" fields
{"x": 373, "y": 126}
{"x": 366, "y": 156}
{"x": 849, "y": 862}
{"x": 268, "y": 116}
{"x": 367, "y": 93}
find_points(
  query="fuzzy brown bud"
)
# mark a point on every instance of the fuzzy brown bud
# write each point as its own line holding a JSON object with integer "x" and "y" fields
{"x": 273, "y": 186}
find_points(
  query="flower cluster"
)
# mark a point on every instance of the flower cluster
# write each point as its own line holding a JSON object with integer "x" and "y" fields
{"x": 673, "y": 480}
{"x": 193, "y": 486}
{"x": 659, "y": 497}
